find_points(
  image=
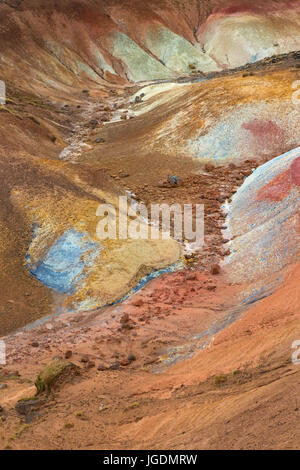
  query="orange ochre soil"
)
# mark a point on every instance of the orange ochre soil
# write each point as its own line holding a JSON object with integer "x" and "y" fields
{"x": 238, "y": 393}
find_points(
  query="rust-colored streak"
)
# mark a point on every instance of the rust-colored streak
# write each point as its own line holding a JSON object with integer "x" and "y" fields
{"x": 277, "y": 189}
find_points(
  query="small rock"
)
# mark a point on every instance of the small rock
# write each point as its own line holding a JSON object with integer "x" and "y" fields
{"x": 104, "y": 117}
{"x": 3, "y": 386}
{"x": 131, "y": 357}
{"x": 215, "y": 269}
{"x": 101, "y": 367}
{"x": 138, "y": 99}
{"x": 84, "y": 359}
{"x": 163, "y": 184}
{"x": 191, "y": 277}
{"x": 68, "y": 354}
{"x": 124, "y": 363}
{"x": 57, "y": 358}
{"x": 211, "y": 288}
{"x": 137, "y": 302}
{"x": 174, "y": 180}
{"x": 35, "y": 344}
{"x": 209, "y": 167}
{"x": 115, "y": 366}
{"x": 100, "y": 140}
{"x": 103, "y": 406}
{"x": 25, "y": 406}
{"x": 90, "y": 365}
{"x": 124, "y": 319}
{"x": 127, "y": 326}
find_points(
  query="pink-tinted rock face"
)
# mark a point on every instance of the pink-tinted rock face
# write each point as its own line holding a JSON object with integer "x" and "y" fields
{"x": 277, "y": 189}
{"x": 264, "y": 220}
{"x": 280, "y": 186}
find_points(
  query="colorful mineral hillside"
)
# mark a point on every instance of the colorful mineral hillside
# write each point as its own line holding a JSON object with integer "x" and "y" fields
{"x": 150, "y": 228}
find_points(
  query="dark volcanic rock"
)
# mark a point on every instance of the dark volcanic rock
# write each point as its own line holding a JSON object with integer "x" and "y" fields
{"x": 174, "y": 180}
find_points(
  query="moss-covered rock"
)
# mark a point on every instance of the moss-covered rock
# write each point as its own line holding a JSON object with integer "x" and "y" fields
{"x": 55, "y": 373}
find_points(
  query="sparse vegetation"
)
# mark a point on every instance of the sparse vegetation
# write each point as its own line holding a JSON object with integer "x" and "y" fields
{"x": 52, "y": 372}
{"x": 131, "y": 406}
{"x": 69, "y": 425}
{"x": 220, "y": 379}
{"x": 19, "y": 432}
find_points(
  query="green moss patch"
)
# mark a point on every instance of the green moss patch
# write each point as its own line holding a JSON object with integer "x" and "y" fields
{"x": 55, "y": 373}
